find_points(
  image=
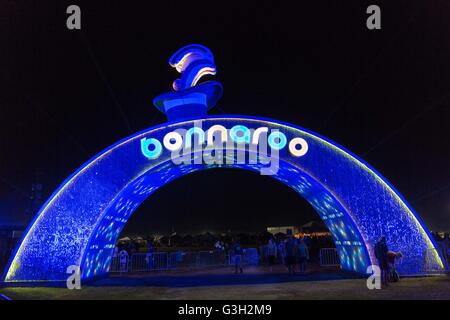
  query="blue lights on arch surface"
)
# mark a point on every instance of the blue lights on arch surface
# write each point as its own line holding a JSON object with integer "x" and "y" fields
{"x": 82, "y": 220}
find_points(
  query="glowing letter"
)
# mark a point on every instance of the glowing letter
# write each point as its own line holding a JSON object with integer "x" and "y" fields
{"x": 212, "y": 130}
{"x": 173, "y": 146}
{"x": 274, "y": 144}
{"x": 257, "y": 133}
{"x": 200, "y": 134}
{"x": 243, "y": 137}
{"x": 151, "y": 154}
{"x": 293, "y": 147}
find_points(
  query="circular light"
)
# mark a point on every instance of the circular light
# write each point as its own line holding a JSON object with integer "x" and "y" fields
{"x": 298, "y": 142}
{"x": 277, "y": 140}
{"x": 151, "y": 148}
{"x": 240, "y": 134}
{"x": 173, "y": 141}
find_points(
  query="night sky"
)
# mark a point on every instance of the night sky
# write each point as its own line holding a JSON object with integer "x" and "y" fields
{"x": 383, "y": 94}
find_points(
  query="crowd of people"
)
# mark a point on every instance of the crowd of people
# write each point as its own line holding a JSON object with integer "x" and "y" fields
{"x": 124, "y": 250}
{"x": 287, "y": 250}
{"x": 294, "y": 253}
{"x": 291, "y": 252}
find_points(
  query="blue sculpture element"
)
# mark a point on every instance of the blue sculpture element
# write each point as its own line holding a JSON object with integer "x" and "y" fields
{"x": 81, "y": 222}
{"x": 193, "y": 62}
{"x": 189, "y": 99}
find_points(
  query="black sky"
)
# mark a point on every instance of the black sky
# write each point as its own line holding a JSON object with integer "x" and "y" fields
{"x": 384, "y": 94}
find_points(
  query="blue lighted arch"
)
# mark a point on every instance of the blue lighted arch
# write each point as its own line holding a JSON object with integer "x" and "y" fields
{"x": 82, "y": 220}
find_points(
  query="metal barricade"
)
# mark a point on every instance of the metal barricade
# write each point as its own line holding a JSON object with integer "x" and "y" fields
{"x": 161, "y": 261}
{"x": 211, "y": 258}
{"x": 182, "y": 259}
{"x": 431, "y": 265}
{"x": 142, "y": 262}
{"x": 250, "y": 257}
{"x": 118, "y": 265}
{"x": 156, "y": 261}
{"x": 329, "y": 257}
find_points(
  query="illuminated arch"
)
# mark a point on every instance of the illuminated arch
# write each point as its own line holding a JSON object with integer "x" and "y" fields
{"x": 82, "y": 220}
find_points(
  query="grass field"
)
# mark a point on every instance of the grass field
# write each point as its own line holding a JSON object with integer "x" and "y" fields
{"x": 254, "y": 284}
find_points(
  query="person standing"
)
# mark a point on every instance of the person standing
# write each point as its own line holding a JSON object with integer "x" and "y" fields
{"x": 290, "y": 252}
{"x": 238, "y": 252}
{"x": 392, "y": 258}
{"x": 302, "y": 255}
{"x": 381, "y": 253}
{"x": 271, "y": 252}
{"x": 149, "y": 255}
{"x": 280, "y": 250}
{"x": 123, "y": 256}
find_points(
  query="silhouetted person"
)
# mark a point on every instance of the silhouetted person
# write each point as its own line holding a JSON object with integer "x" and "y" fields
{"x": 280, "y": 250}
{"x": 237, "y": 251}
{"x": 392, "y": 258}
{"x": 271, "y": 252}
{"x": 381, "y": 250}
{"x": 149, "y": 255}
{"x": 302, "y": 255}
{"x": 290, "y": 251}
{"x": 123, "y": 256}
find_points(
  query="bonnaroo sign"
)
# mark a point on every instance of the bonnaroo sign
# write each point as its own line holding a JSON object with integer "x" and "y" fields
{"x": 210, "y": 144}
{"x": 82, "y": 220}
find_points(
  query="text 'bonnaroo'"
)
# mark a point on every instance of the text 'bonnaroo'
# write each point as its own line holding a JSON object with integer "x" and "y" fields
{"x": 219, "y": 145}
